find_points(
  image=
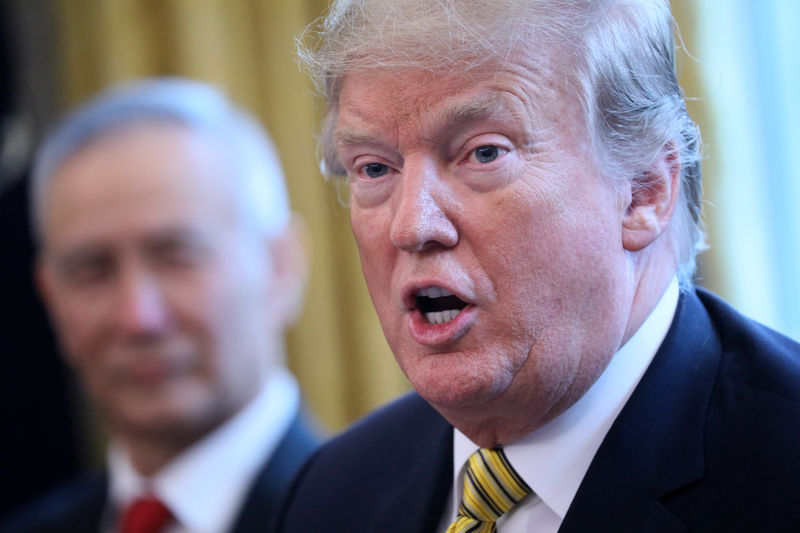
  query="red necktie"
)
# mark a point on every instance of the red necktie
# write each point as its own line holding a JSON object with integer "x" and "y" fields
{"x": 146, "y": 515}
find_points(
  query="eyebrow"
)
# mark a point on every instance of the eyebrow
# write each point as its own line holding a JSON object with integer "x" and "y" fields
{"x": 474, "y": 110}
{"x": 352, "y": 136}
{"x": 164, "y": 236}
{"x": 451, "y": 117}
{"x": 72, "y": 259}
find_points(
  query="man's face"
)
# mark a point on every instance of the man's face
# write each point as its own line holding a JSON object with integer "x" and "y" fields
{"x": 490, "y": 243}
{"x": 156, "y": 288}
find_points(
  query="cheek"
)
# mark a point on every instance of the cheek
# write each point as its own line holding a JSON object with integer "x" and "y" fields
{"x": 520, "y": 243}
{"x": 542, "y": 226}
{"x": 81, "y": 326}
{"x": 209, "y": 310}
{"x": 227, "y": 311}
{"x": 202, "y": 289}
{"x": 371, "y": 233}
{"x": 549, "y": 257}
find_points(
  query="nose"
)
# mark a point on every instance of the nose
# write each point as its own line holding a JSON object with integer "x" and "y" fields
{"x": 420, "y": 219}
{"x": 141, "y": 309}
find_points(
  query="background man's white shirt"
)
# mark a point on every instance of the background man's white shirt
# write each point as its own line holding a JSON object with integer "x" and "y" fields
{"x": 205, "y": 486}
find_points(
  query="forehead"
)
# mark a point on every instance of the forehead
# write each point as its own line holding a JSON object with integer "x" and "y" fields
{"x": 524, "y": 88}
{"x": 144, "y": 174}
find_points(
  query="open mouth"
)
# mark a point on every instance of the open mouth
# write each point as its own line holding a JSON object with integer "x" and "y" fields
{"x": 438, "y": 305}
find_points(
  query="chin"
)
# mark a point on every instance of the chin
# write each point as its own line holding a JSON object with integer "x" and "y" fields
{"x": 173, "y": 412}
{"x": 451, "y": 382}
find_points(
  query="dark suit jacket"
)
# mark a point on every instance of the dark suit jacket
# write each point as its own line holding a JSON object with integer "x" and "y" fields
{"x": 78, "y": 507}
{"x": 708, "y": 442}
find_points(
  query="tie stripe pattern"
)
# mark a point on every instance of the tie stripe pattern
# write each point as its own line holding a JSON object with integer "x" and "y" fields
{"x": 491, "y": 487}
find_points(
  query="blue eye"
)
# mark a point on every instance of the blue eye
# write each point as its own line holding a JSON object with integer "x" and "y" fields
{"x": 375, "y": 170}
{"x": 486, "y": 154}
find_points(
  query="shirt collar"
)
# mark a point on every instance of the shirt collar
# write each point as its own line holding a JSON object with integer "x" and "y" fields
{"x": 554, "y": 459}
{"x": 206, "y": 484}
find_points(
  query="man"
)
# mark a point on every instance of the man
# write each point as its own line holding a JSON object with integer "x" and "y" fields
{"x": 170, "y": 265}
{"x": 525, "y": 197}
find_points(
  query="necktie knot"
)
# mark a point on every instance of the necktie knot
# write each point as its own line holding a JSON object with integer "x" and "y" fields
{"x": 491, "y": 487}
{"x": 146, "y": 515}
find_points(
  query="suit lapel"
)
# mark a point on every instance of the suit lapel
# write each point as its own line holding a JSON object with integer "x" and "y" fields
{"x": 655, "y": 447}
{"x": 422, "y": 477}
{"x": 77, "y": 507}
{"x": 260, "y": 509}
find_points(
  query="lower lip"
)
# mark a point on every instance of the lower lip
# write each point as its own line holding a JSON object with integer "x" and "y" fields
{"x": 429, "y": 334}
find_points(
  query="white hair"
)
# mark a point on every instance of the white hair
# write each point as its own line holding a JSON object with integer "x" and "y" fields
{"x": 255, "y": 166}
{"x": 619, "y": 56}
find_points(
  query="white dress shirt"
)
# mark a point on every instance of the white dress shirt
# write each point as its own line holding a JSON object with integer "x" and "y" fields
{"x": 205, "y": 486}
{"x": 554, "y": 459}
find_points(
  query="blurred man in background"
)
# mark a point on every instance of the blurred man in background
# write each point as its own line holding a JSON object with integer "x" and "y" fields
{"x": 171, "y": 264}
{"x": 525, "y": 196}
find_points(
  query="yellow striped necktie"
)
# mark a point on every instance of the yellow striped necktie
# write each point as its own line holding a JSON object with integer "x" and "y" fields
{"x": 491, "y": 487}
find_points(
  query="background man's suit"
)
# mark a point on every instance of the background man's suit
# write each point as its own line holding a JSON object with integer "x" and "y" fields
{"x": 78, "y": 507}
{"x": 713, "y": 420}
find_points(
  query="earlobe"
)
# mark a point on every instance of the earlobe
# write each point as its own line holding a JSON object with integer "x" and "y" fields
{"x": 653, "y": 197}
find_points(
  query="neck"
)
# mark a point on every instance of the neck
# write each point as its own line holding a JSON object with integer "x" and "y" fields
{"x": 653, "y": 275}
{"x": 151, "y": 448}
{"x": 150, "y": 455}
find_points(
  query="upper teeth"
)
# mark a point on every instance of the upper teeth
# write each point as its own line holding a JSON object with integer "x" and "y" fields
{"x": 434, "y": 292}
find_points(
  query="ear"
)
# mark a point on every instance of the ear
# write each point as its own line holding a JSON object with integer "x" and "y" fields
{"x": 290, "y": 266}
{"x": 654, "y": 195}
